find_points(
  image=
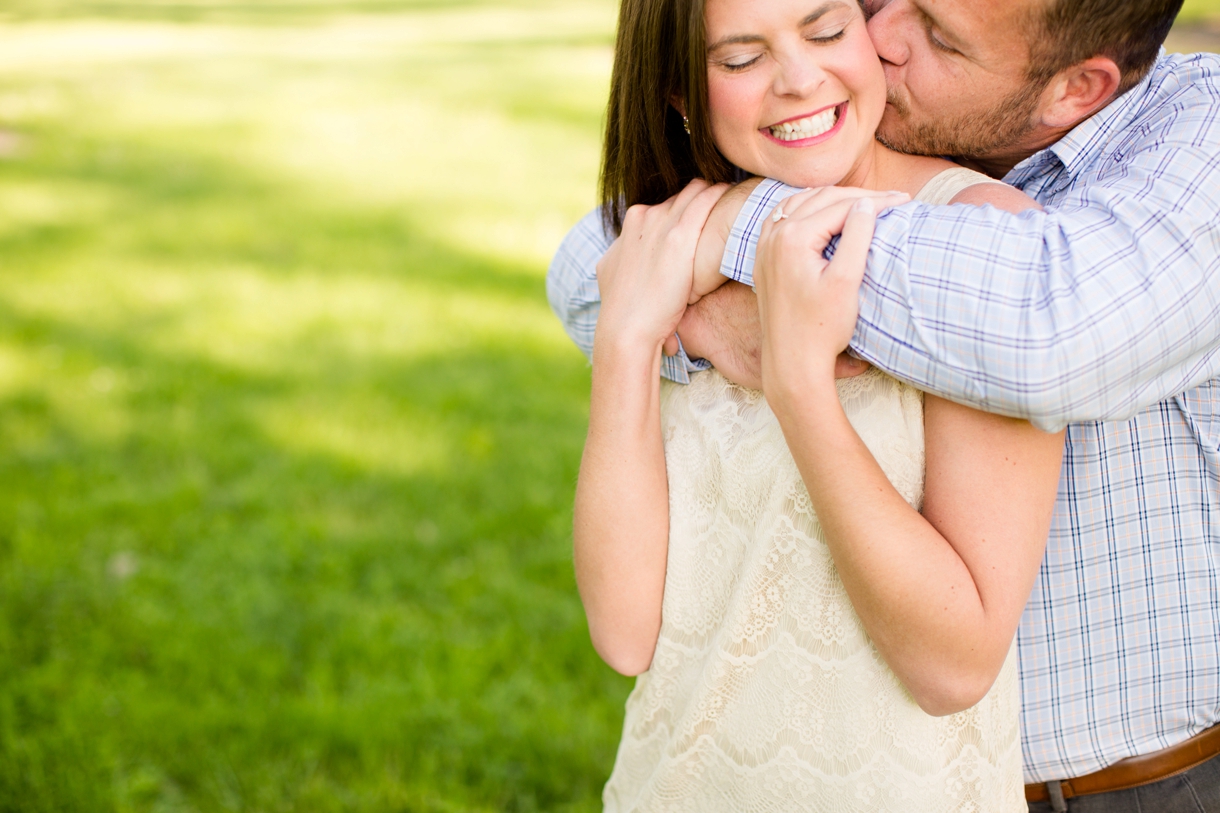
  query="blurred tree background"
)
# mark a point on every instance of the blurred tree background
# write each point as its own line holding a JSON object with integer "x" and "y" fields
{"x": 289, "y": 434}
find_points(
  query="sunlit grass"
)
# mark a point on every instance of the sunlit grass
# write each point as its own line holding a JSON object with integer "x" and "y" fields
{"x": 289, "y": 433}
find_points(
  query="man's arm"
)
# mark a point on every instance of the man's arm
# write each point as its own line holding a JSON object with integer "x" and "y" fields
{"x": 1092, "y": 311}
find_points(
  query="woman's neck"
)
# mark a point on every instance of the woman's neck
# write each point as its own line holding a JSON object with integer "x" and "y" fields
{"x": 883, "y": 169}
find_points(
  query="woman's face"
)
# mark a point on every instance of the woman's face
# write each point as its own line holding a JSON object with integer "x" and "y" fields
{"x": 795, "y": 88}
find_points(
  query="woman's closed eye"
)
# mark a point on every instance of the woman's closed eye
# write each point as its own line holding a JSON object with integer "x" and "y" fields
{"x": 740, "y": 61}
{"x": 826, "y": 38}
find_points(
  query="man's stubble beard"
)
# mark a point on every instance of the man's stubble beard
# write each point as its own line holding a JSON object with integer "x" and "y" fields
{"x": 974, "y": 136}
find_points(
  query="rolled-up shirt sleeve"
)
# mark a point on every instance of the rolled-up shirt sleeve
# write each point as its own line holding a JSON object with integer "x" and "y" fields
{"x": 1101, "y": 306}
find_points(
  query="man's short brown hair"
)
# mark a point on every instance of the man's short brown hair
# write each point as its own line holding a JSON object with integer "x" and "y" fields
{"x": 1131, "y": 32}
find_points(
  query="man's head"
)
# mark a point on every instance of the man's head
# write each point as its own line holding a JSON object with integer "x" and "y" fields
{"x": 996, "y": 80}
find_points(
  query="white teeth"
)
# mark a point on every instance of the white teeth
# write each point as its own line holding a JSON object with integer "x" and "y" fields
{"x": 810, "y": 127}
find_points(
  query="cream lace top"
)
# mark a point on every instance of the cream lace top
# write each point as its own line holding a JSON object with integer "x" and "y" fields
{"x": 765, "y": 693}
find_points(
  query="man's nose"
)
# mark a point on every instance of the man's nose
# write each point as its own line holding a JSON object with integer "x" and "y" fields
{"x": 889, "y": 27}
{"x": 871, "y": 7}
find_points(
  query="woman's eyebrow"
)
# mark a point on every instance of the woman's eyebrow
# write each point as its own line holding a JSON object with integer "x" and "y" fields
{"x": 817, "y": 13}
{"x": 812, "y": 17}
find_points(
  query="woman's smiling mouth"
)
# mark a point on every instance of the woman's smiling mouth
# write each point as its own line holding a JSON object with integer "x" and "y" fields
{"x": 807, "y": 128}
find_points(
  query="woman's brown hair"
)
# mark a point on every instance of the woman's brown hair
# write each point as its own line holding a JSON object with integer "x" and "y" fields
{"x": 660, "y": 55}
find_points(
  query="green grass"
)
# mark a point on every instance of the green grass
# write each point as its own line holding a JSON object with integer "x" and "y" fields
{"x": 289, "y": 433}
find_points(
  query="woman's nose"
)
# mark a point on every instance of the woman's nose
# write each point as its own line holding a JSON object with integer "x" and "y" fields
{"x": 798, "y": 78}
{"x": 889, "y": 27}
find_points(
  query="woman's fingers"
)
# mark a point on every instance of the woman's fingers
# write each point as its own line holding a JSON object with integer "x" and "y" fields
{"x": 812, "y": 205}
{"x": 812, "y": 227}
{"x": 805, "y": 236}
{"x": 852, "y": 253}
{"x": 806, "y": 302}
{"x": 646, "y": 279}
{"x": 813, "y": 200}
{"x": 699, "y": 207}
{"x": 678, "y": 203}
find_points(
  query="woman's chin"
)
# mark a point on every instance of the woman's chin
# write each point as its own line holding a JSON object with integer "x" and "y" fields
{"x": 806, "y": 175}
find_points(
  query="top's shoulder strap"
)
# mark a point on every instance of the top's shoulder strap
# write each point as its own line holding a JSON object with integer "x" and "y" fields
{"x": 945, "y": 186}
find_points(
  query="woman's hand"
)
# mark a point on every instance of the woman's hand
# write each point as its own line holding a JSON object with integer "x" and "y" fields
{"x": 808, "y": 306}
{"x": 645, "y": 279}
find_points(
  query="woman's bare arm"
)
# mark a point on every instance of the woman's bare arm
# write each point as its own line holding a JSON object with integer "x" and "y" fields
{"x": 621, "y": 529}
{"x": 941, "y": 594}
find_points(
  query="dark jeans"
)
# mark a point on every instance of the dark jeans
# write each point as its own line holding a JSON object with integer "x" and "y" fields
{"x": 1196, "y": 791}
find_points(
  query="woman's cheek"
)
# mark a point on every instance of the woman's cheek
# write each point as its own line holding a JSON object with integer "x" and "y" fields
{"x": 869, "y": 79}
{"x": 733, "y": 104}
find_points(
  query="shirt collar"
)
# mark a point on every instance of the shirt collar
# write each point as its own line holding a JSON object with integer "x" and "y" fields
{"x": 1076, "y": 150}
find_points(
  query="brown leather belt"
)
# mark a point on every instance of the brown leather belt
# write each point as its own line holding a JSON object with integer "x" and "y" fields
{"x": 1135, "y": 771}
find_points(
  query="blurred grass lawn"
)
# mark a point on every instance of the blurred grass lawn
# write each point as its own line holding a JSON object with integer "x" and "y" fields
{"x": 289, "y": 433}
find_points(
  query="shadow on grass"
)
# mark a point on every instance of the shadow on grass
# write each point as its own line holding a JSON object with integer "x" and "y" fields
{"x": 202, "y": 610}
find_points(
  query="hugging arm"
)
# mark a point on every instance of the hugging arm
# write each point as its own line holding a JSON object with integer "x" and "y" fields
{"x": 1092, "y": 311}
{"x": 719, "y": 328}
{"x": 940, "y": 593}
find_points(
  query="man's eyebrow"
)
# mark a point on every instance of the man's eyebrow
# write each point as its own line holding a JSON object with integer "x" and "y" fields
{"x": 812, "y": 17}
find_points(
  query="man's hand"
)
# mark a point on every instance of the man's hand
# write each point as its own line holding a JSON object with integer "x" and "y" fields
{"x": 723, "y": 328}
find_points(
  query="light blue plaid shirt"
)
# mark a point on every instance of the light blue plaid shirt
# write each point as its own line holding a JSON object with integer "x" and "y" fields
{"x": 1104, "y": 307}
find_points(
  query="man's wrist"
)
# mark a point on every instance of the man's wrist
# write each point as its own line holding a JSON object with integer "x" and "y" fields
{"x": 693, "y": 334}
{"x": 738, "y": 260}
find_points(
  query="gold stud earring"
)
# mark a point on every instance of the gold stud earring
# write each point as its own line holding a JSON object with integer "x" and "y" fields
{"x": 686, "y": 125}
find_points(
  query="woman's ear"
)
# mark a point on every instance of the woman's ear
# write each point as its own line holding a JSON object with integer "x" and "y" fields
{"x": 678, "y": 104}
{"x": 1080, "y": 91}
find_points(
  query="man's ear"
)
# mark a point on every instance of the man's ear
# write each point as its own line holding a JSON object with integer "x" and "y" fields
{"x": 1080, "y": 91}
